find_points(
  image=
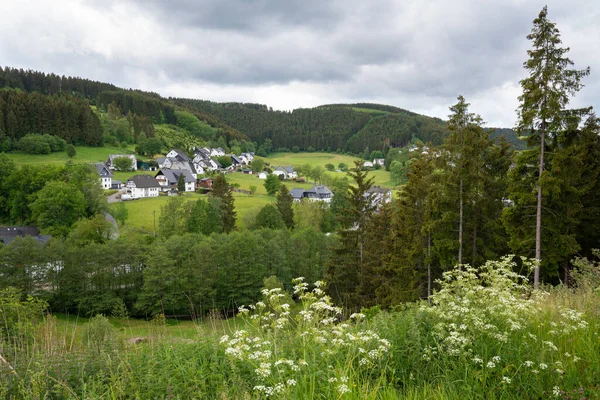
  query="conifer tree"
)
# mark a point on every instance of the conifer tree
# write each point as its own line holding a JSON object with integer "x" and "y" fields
{"x": 222, "y": 190}
{"x": 181, "y": 183}
{"x": 345, "y": 273}
{"x": 284, "y": 204}
{"x": 546, "y": 92}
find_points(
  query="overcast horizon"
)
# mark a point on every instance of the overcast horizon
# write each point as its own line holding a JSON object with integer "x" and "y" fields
{"x": 414, "y": 55}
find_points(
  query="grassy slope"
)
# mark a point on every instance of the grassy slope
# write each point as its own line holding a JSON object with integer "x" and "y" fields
{"x": 84, "y": 155}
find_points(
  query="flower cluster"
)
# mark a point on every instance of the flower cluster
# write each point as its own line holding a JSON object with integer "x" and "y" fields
{"x": 286, "y": 345}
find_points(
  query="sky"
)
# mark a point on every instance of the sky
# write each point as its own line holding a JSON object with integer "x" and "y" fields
{"x": 414, "y": 54}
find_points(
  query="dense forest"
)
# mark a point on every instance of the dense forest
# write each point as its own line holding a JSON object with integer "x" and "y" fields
{"x": 48, "y": 103}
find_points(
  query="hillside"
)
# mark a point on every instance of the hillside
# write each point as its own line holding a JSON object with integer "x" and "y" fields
{"x": 35, "y": 102}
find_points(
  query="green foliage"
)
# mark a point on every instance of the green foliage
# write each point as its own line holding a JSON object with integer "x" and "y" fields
{"x": 272, "y": 184}
{"x": 192, "y": 124}
{"x": 181, "y": 184}
{"x": 349, "y": 281}
{"x": 57, "y": 207}
{"x": 174, "y": 217}
{"x": 284, "y": 205}
{"x": 41, "y": 144}
{"x": 269, "y": 217}
{"x": 257, "y": 165}
{"x": 95, "y": 229}
{"x": 71, "y": 151}
{"x": 222, "y": 191}
{"x": 19, "y": 317}
{"x": 119, "y": 211}
{"x": 123, "y": 164}
{"x": 329, "y": 167}
{"x": 205, "y": 216}
{"x": 225, "y": 161}
{"x": 99, "y": 334}
{"x": 252, "y": 189}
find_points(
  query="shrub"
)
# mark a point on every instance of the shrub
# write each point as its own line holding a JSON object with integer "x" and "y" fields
{"x": 71, "y": 151}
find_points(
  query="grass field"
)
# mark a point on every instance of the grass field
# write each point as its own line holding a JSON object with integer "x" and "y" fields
{"x": 84, "y": 155}
{"x": 381, "y": 177}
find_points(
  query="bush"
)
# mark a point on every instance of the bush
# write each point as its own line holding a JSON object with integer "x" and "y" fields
{"x": 71, "y": 151}
{"x": 41, "y": 144}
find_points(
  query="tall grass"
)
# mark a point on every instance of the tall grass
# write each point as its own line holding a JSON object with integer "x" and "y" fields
{"x": 485, "y": 335}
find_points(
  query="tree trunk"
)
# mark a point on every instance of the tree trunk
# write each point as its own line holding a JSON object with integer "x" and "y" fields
{"x": 460, "y": 223}
{"x": 538, "y": 221}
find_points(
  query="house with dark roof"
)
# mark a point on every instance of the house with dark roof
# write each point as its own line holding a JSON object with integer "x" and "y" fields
{"x": 105, "y": 175}
{"x": 141, "y": 186}
{"x": 316, "y": 193}
{"x": 235, "y": 160}
{"x": 168, "y": 179}
{"x": 287, "y": 172}
{"x": 10, "y": 233}
{"x": 179, "y": 155}
{"x": 379, "y": 195}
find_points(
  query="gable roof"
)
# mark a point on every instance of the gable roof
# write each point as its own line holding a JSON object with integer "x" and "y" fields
{"x": 297, "y": 193}
{"x": 235, "y": 159}
{"x": 321, "y": 190}
{"x": 144, "y": 181}
{"x": 289, "y": 169}
{"x": 103, "y": 171}
{"x": 181, "y": 156}
{"x": 172, "y": 175}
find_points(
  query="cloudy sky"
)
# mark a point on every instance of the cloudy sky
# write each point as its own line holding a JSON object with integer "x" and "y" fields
{"x": 414, "y": 54}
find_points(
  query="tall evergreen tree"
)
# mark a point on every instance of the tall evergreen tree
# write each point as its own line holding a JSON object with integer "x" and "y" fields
{"x": 345, "y": 274}
{"x": 284, "y": 204}
{"x": 546, "y": 92}
{"x": 222, "y": 190}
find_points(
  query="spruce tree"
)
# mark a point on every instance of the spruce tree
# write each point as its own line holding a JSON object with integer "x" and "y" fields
{"x": 284, "y": 204}
{"x": 546, "y": 92}
{"x": 222, "y": 190}
{"x": 181, "y": 183}
{"x": 345, "y": 274}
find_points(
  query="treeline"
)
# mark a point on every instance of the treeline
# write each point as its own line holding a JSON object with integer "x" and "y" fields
{"x": 138, "y": 103}
{"x": 319, "y": 128}
{"x": 184, "y": 275}
{"x": 64, "y": 116}
{"x": 397, "y": 130}
{"x": 50, "y": 84}
{"x": 373, "y": 106}
{"x": 470, "y": 200}
{"x": 51, "y": 197}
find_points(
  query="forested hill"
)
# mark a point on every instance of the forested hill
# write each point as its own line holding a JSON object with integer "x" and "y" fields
{"x": 350, "y": 127}
{"x": 36, "y": 102}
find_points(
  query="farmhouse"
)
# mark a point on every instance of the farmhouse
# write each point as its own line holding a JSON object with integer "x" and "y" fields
{"x": 168, "y": 179}
{"x": 179, "y": 155}
{"x": 379, "y": 161}
{"x": 316, "y": 193}
{"x": 379, "y": 196}
{"x": 111, "y": 157}
{"x": 141, "y": 186}
{"x": 105, "y": 175}
{"x": 287, "y": 172}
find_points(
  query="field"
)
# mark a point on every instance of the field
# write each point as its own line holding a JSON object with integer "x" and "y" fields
{"x": 84, "y": 155}
{"x": 484, "y": 335}
{"x": 381, "y": 177}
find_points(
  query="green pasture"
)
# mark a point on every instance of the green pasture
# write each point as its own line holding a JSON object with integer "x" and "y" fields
{"x": 84, "y": 155}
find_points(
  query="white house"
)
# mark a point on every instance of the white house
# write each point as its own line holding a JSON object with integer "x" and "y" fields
{"x": 111, "y": 157}
{"x": 368, "y": 164}
{"x": 179, "y": 155}
{"x": 379, "y": 161}
{"x": 168, "y": 179}
{"x": 141, "y": 186}
{"x": 262, "y": 175}
{"x": 316, "y": 193}
{"x": 249, "y": 157}
{"x": 288, "y": 172}
{"x": 218, "y": 152}
{"x": 379, "y": 195}
{"x": 105, "y": 175}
